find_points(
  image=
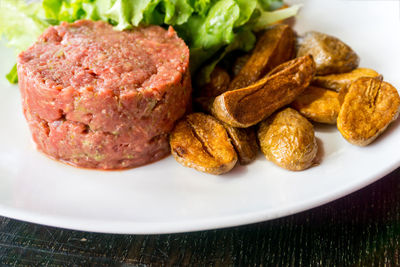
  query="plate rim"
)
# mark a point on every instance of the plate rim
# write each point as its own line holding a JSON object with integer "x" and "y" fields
{"x": 114, "y": 227}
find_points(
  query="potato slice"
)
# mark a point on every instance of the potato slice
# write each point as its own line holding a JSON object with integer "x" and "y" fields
{"x": 368, "y": 108}
{"x": 219, "y": 82}
{"x": 274, "y": 47}
{"x": 288, "y": 140}
{"x": 318, "y": 104}
{"x": 337, "y": 82}
{"x": 248, "y": 106}
{"x": 331, "y": 55}
{"x": 245, "y": 143}
{"x": 201, "y": 142}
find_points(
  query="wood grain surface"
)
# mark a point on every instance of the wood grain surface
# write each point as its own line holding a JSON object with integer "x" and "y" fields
{"x": 362, "y": 229}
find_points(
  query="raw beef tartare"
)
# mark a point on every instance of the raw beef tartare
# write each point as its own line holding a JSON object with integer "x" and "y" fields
{"x": 99, "y": 98}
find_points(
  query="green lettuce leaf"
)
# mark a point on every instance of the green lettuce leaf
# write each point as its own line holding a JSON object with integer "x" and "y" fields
{"x": 137, "y": 12}
{"x": 21, "y": 23}
{"x": 63, "y": 10}
{"x": 179, "y": 12}
{"x": 244, "y": 41}
{"x": 206, "y": 35}
{"x": 201, "y": 7}
{"x": 266, "y": 18}
{"x": 12, "y": 76}
{"x": 246, "y": 10}
{"x": 270, "y": 5}
{"x": 120, "y": 12}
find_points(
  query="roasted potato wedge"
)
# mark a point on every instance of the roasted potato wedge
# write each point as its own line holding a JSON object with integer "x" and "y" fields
{"x": 318, "y": 104}
{"x": 288, "y": 140}
{"x": 245, "y": 143}
{"x": 331, "y": 55}
{"x": 274, "y": 47}
{"x": 201, "y": 142}
{"x": 342, "y": 94}
{"x": 247, "y": 106}
{"x": 219, "y": 82}
{"x": 345, "y": 89}
{"x": 239, "y": 63}
{"x": 369, "y": 106}
{"x": 338, "y": 82}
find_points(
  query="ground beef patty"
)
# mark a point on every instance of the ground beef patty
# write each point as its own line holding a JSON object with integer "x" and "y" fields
{"x": 106, "y": 99}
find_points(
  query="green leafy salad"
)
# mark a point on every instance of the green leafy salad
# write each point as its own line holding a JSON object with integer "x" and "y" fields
{"x": 211, "y": 28}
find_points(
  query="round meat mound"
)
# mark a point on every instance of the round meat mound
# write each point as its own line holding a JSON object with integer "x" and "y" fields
{"x": 99, "y": 98}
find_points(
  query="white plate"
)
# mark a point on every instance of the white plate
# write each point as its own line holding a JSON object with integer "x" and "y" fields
{"x": 165, "y": 197}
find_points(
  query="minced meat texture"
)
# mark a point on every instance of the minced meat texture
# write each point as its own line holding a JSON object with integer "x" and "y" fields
{"x": 87, "y": 54}
{"x": 125, "y": 88}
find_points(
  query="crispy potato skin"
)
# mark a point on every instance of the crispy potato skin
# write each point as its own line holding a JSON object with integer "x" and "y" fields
{"x": 245, "y": 143}
{"x": 331, "y": 55}
{"x": 219, "y": 82}
{"x": 199, "y": 141}
{"x": 345, "y": 89}
{"x": 342, "y": 94}
{"x": 274, "y": 47}
{"x": 369, "y": 106}
{"x": 287, "y": 139}
{"x": 318, "y": 104}
{"x": 247, "y": 106}
{"x": 338, "y": 82}
{"x": 239, "y": 63}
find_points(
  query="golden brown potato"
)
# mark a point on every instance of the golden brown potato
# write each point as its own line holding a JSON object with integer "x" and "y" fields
{"x": 201, "y": 142}
{"x": 248, "y": 106}
{"x": 368, "y": 108}
{"x": 339, "y": 81}
{"x": 239, "y": 63}
{"x": 318, "y": 104}
{"x": 288, "y": 140}
{"x": 342, "y": 94}
{"x": 219, "y": 82}
{"x": 274, "y": 47}
{"x": 331, "y": 55}
{"x": 345, "y": 90}
{"x": 245, "y": 143}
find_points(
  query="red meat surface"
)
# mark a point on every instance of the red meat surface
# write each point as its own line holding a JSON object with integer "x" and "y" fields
{"x": 99, "y": 98}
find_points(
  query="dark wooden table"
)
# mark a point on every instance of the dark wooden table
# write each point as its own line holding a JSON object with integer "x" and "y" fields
{"x": 362, "y": 229}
